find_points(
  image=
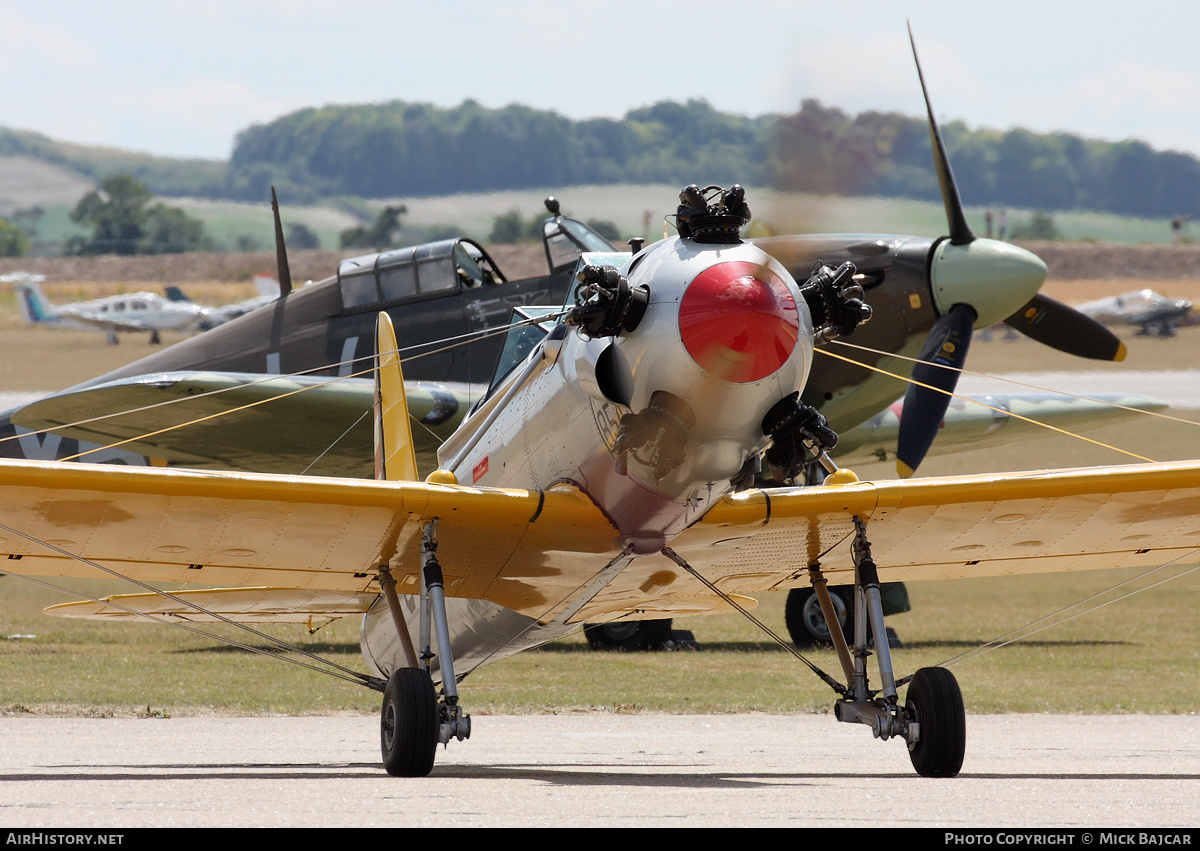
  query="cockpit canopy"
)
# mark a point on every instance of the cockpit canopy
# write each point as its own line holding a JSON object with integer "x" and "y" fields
{"x": 452, "y": 265}
{"x": 437, "y": 268}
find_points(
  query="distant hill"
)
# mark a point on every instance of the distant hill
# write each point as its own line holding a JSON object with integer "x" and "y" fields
{"x": 26, "y": 181}
{"x": 168, "y": 176}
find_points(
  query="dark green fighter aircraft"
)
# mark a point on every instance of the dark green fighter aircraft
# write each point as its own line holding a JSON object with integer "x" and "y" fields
{"x": 444, "y": 298}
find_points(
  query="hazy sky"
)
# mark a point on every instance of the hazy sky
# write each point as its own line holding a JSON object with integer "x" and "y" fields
{"x": 182, "y": 78}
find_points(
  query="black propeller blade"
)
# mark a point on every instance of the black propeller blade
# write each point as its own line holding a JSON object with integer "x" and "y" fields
{"x": 924, "y": 407}
{"x": 1041, "y": 318}
{"x": 281, "y": 260}
{"x": 1064, "y": 328}
{"x": 960, "y": 231}
{"x": 950, "y": 338}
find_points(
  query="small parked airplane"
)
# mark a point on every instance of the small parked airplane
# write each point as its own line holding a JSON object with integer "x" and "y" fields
{"x": 268, "y": 291}
{"x": 136, "y": 312}
{"x": 1152, "y": 312}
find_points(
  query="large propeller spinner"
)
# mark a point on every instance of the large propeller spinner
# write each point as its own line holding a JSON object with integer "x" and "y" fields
{"x": 944, "y": 353}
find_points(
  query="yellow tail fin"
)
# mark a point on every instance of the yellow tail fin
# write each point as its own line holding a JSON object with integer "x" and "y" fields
{"x": 395, "y": 456}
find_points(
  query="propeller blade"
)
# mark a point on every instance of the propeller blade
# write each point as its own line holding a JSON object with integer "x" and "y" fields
{"x": 960, "y": 231}
{"x": 925, "y": 407}
{"x": 281, "y": 260}
{"x": 1064, "y": 328}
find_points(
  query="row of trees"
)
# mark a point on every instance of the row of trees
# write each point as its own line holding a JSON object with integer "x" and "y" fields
{"x": 398, "y": 149}
{"x": 820, "y": 149}
{"x": 402, "y": 149}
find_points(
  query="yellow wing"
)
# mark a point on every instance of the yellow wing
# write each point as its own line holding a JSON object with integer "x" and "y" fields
{"x": 953, "y": 527}
{"x": 517, "y": 548}
{"x": 534, "y": 551}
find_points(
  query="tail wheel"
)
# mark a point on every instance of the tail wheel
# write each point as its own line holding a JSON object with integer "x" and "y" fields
{"x": 408, "y": 724}
{"x": 628, "y": 635}
{"x": 935, "y": 702}
{"x": 806, "y": 622}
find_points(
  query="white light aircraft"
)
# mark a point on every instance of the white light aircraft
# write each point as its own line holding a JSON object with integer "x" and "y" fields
{"x": 136, "y": 312}
{"x": 268, "y": 291}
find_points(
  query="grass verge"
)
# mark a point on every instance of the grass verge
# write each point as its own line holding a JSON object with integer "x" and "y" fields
{"x": 1137, "y": 655}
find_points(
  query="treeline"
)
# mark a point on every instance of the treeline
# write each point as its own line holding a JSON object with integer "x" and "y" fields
{"x": 403, "y": 149}
{"x": 821, "y": 149}
{"x": 400, "y": 149}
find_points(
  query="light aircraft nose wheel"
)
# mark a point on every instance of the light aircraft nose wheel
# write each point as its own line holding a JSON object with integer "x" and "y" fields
{"x": 408, "y": 724}
{"x": 935, "y": 703}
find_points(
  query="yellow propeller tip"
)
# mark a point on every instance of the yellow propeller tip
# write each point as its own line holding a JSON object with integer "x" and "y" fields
{"x": 1121, "y": 352}
{"x": 903, "y": 470}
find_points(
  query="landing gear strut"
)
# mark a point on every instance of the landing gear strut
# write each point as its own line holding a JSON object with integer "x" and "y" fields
{"x": 413, "y": 721}
{"x": 933, "y": 721}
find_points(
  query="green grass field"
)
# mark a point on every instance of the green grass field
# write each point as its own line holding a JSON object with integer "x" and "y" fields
{"x": 1136, "y": 655}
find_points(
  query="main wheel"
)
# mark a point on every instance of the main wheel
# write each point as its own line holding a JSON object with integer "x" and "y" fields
{"x": 935, "y": 702}
{"x": 806, "y": 622}
{"x": 408, "y": 724}
{"x": 628, "y": 635}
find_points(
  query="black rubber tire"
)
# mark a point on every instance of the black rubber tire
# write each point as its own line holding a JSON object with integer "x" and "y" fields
{"x": 935, "y": 702}
{"x": 408, "y": 723}
{"x": 805, "y": 621}
{"x": 628, "y": 635}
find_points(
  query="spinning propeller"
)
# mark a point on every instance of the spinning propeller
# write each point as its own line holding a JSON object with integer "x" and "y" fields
{"x": 972, "y": 277}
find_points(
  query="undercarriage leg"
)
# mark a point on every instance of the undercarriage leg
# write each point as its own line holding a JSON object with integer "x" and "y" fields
{"x": 933, "y": 721}
{"x": 454, "y": 722}
{"x": 867, "y": 596}
{"x": 388, "y": 586}
{"x": 413, "y": 720}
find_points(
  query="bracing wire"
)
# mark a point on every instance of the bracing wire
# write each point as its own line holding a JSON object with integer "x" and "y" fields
{"x": 1006, "y": 380}
{"x": 1052, "y": 620}
{"x": 348, "y": 673}
{"x": 998, "y": 410}
{"x": 453, "y": 342}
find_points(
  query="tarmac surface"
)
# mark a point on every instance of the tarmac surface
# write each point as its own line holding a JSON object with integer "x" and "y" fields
{"x": 597, "y": 770}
